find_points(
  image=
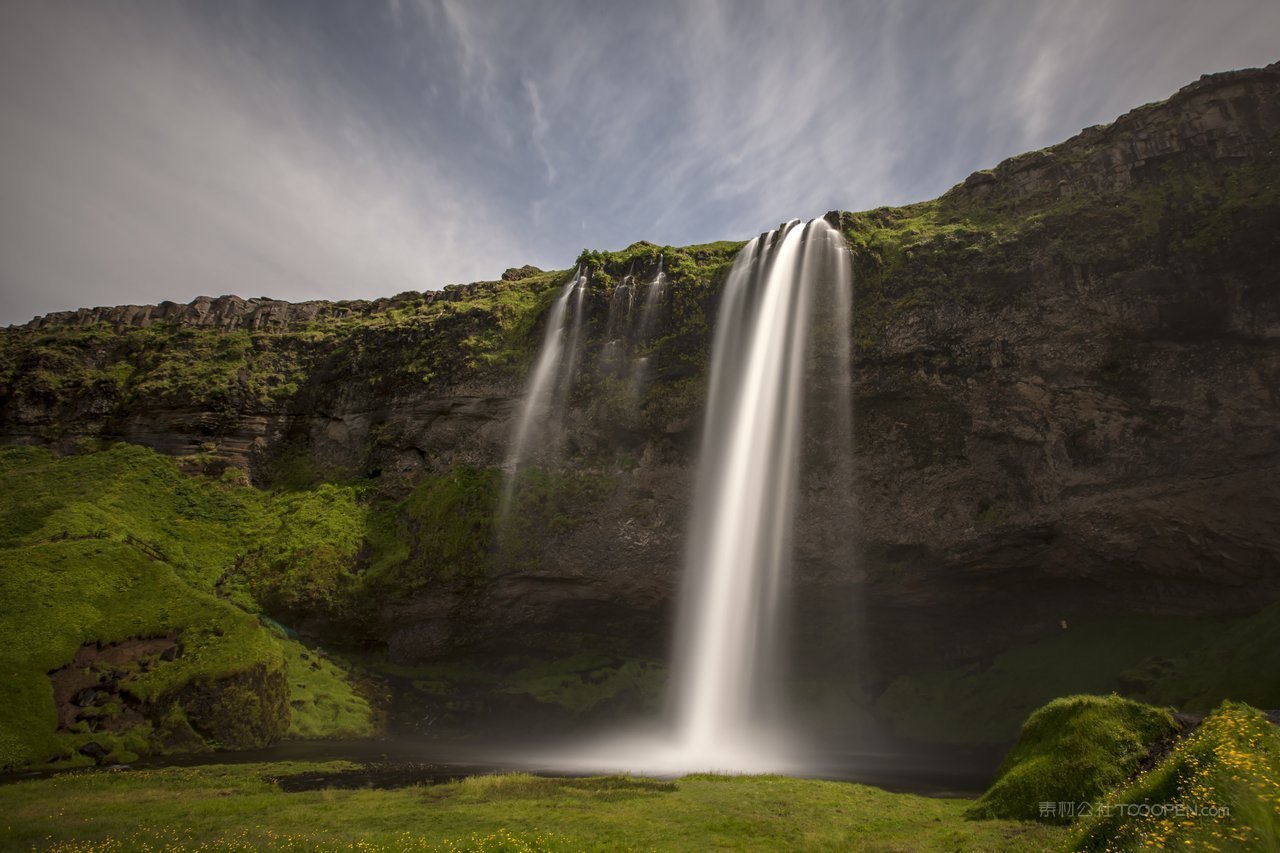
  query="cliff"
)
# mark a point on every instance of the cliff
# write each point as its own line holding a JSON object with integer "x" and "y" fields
{"x": 1067, "y": 383}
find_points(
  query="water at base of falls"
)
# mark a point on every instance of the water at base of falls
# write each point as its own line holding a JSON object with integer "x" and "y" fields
{"x": 788, "y": 290}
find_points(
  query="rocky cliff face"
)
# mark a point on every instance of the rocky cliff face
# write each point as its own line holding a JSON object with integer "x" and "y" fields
{"x": 231, "y": 313}
{"x": 1067, "y": 387}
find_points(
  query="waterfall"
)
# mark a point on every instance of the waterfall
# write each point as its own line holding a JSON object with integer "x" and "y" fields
{"x": 726, "y": 675}
{"x": 547, "y": 396}
{"x": 653, "y": 299}
{"x": 613, "y": 354}
{"x": 781, "y": 343}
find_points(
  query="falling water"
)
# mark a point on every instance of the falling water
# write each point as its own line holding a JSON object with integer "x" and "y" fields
{"x": 653, "y": 297}
{"x": 655, "y": 293}
{"x": 728, "y": 651}
{"x": 549, "y": 383}
{"x": 613, "y": 355}
{"x": 787, "y": 297}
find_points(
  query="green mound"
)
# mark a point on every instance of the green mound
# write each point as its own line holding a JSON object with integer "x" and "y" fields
{"x": 1218, "y": 790}
{"x": 1073, "y": 750}
{"x": 121, "y": 622}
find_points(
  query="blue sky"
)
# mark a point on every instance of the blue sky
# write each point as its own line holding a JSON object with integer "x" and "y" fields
{"x": 156, "y": 150}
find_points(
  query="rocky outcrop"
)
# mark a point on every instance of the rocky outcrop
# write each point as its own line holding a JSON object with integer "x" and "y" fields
{"x": 231, "y": 313}
{"x": 518, "y": 273}
{"x": 1229, "y": 116}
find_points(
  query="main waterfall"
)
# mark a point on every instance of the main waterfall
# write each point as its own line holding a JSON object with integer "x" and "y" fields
{"x": 782, "y": 340}
{"x": 730, "y": 639}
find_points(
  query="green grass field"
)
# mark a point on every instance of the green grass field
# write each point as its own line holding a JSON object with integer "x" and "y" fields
{"x": 1214, "y": 788}
{"x": 239, "y": 807}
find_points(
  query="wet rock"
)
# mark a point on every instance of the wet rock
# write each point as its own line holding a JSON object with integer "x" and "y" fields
{"x": 94, "y": 750}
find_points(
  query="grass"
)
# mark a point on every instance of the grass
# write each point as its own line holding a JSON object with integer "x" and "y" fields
{"x": 238, "y": 807}
{"x": 1226, "y": 664}
{"x": 323, "y": 702}
{"x": 1218, "y": 790}
{"x": 116, "y": 544}
{"x": 1191, "y": 663}
{"x": 1073, "y": 750}
{"x": 55, "y": 596}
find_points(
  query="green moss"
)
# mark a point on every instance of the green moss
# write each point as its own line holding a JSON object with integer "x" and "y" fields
{"x": 580, "y": 683}
{"x": 443, "y": 529}
{"x": 308, "y": 551}
{"x": 546, "y": 504}
{"x": 322, "y": 699}
{"x": 449, "y": 519}
{"x": 109, "y": 545}
{"x": 244, "y": 710}
{"x": 1219, "y": 789}
{"x": 1073, "y": 750}
{"x": 1189, "y": 663}
{"x": 56, "y": 596}
{"x": 986, "y": 704}
{"x": 1226, "y": 664}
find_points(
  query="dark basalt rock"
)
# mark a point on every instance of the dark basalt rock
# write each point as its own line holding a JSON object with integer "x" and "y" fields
{"x": 94, "y": 750}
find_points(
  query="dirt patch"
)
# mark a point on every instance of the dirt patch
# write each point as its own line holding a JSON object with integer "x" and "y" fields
{"x": 87, "y": 692}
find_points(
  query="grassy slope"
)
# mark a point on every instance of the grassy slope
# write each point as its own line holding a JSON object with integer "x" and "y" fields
{"x": 1226, "y": 779}
{"x": 1131, "y": 784}
{"x": 238, "y": 807}
{"x": 110, "y": 545}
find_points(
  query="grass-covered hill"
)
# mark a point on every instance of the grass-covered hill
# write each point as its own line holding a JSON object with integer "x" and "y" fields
{"x": 137, "y": 605}
{"x": 127, "y": 618}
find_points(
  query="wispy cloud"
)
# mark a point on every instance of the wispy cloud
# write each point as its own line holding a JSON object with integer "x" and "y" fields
{"x": 141, "y": 163}
{"x": 162, "y": 149}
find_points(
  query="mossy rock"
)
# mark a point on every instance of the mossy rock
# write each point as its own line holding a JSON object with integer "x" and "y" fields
{"x": 248, "y": 710}
{"x": 1073, "y": 750}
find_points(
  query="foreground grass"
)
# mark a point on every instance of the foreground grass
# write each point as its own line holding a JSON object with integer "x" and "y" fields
{"x": 240, "y": 807}
{"x": 1218, "y": 790}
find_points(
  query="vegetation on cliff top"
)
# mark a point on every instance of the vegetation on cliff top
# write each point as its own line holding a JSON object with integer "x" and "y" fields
{"x": 953, "y": 251}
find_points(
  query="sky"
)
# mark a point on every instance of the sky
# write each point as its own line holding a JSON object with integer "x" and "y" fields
{"x": 162, "y": 149}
